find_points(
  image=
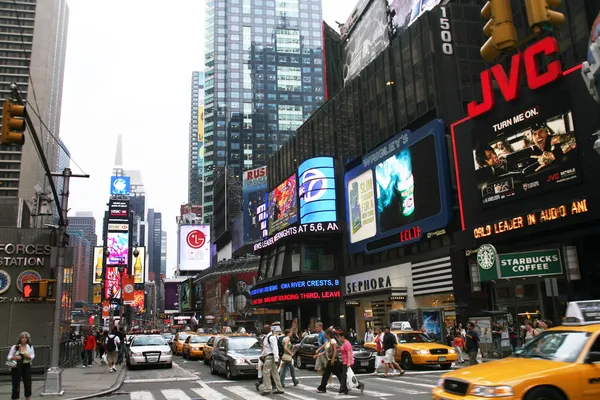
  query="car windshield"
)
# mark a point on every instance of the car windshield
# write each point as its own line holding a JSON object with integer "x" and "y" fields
{"x": 413, "y": 338}
{"x": 168, "y": 336}
{"x": 563, "y": 346}
{"x": 183, "y": 336}
{"x": 199, "y": 339}
{"x": 149, "y": 341}
{"x": 244, "y": 343}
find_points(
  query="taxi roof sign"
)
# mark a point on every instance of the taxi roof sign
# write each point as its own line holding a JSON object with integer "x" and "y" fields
{"x": 583, "y": 313}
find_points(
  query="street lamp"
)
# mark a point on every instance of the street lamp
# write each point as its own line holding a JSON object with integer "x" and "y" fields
{"x": 121, "y": 269}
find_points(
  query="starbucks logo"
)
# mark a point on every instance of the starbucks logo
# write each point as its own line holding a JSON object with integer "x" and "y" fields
{"x": 486, "y": 256}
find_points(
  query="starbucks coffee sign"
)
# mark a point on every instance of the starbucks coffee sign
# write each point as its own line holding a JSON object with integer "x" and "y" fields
{"x": 24, "y": 255}
{"x": 493, "y": 266}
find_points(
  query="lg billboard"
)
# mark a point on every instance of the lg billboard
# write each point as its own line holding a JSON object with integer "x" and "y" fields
{"x": 194, "y": 247}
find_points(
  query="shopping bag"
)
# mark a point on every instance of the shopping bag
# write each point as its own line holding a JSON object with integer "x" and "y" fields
{"x": 379, "y": 361}
{"x": 351, "y": 380}
{"x": 104, "y": 359}
{"x": 479, "y": 357}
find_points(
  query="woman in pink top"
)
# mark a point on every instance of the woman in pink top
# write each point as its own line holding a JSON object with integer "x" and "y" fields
{"x": 347, "y": 362}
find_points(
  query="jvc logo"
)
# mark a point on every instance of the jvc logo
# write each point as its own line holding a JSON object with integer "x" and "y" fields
{"x": 314, "y": 186}
{"x": 554, "y": 177}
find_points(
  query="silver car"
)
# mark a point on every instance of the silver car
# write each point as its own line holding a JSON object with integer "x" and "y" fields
{"x": 149, "y": 350}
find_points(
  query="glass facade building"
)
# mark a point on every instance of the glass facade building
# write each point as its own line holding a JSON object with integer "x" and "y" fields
{"x": 263, "y": 78}
{"x": 196, "y": 170}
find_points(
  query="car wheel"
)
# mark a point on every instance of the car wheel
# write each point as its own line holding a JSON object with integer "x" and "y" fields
{"x": 406, "y": 361}
{"x": 299, "y": 364}
{"x": 228, "y": 373}
{"x": 170, "y": 365}
{"x": 212, "y": 367}
{"x": 544, "y": 393}
{"x": 446, "y": 366}
{"x": 205, "y": 361}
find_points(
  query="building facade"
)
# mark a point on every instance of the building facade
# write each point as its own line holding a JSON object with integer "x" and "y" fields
{"x": 84, "y": 224}
{"x": 154, "y": 248}
{"x": 33, "y": 43}
{"x": 262, "y": 80}
{"x": 79, "y": 275}
{"x": 64, "y": 161}
{"x": 163, "y": 253}
{"x": 196, "y": 151}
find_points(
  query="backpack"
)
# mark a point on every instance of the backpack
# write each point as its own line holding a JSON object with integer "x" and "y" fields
{"x": 111, "y": 345}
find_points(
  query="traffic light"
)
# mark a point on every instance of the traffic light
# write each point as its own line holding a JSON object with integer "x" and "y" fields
{"x": 499, "y": 29}
{"x": 13, "y": 125}
{"x": 541, "y": 17}
{"x": 31, "y": 290}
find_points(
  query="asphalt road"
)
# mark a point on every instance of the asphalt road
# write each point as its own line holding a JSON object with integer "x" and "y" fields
{"x": 190, "y": 380}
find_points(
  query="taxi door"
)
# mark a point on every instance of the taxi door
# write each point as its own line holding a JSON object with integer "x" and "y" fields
{"x": 590, "y": 374}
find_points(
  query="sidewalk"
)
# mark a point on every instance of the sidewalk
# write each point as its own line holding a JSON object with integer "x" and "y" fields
{"x": 76, "y": 382}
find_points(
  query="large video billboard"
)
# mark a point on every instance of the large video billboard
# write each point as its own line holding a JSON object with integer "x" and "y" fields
{"x": 118, "y": 211}
{"x": 112, "y": 284}
{"x": 316, "y": 190}
{"x": 98, "y": 265}
{"x": 283, "y": 205}
{"x": 194, "y": 247}
{"x": 404, "y": 12}
{"x": 139, "y": 265}
{"x": 254, "y": 186}
{"x": 171, "y": 296}
{"x": 118, "y": 248}
{"x": 120, "y": 185}
{"x": 400, "y": 191}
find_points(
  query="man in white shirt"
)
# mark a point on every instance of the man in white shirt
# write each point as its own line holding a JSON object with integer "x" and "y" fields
{"x": 270, "y": 357}
{"x": 112, "y": 349}
{"x": 369, "y": 336}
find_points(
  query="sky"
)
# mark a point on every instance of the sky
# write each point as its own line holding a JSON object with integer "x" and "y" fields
{"x": 128, "y": 70}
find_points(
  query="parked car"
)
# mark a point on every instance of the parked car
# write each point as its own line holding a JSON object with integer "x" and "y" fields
{"x": 193, "y": 347}
{"x": 178, "y": 341}
{"x": 149, "y": 350}
{"x": 235, "y": 356}
{"x": 169, "y": 338}
{"x": 364, "y": 358}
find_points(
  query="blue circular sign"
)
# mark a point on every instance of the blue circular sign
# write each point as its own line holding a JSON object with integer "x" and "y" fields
{"x": 4, "y": 281}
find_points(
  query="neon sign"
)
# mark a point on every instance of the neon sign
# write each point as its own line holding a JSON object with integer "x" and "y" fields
{"x": 410, "y": 234}
{"x": 531, "y": 219}
{"x": 324, "y": 295}
{"x": 509, "y": 84}
{"x": 293, "y": 285}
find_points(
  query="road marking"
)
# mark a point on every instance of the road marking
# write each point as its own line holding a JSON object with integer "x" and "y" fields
{"x": 314, "y": 390}
{"x": 157, "y": 380}
{"x": 367, "y": 392}
{"x": 297, "y": 396}
{"x": 245, "y": 393}
{"x": 141, "y": 395}
{"x": 175, "y": 394}
{"x": 405, "y": 382}
{"x": 208, "y": 393}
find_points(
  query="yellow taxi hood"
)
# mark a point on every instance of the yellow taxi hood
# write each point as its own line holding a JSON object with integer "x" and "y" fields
{"x": 425, "y": 345}
{"x": 507, "y": 371}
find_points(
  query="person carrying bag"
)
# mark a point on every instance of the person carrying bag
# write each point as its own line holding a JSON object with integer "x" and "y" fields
{"x": 19, "y": 360}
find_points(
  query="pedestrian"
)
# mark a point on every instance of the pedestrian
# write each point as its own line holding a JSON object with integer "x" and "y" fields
{"x": 121, "y": 350}
{"x": 459, "y": 346}
{"x": 112, "y": 349}
{"x": 270, "y": 359}
{"x": 20, "y": 356}
{"x": 380, "y": 357}
{"x": 347, "y": 363}
{"x": 287, "y": 359}
{"x": 321, "y": 360}
{"x": 89, "y": 346}
{"x": 389, "y": 348}
{"x": 473, "y": 343}
{"x": 369, "y": 336}
{"x": 332, "y": 367}
{"x": 99, "y": 345}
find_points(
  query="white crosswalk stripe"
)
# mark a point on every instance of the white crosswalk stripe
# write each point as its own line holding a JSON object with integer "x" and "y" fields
{"x": 207, "y": 392}
{"x": 244, "y": 393}
{"x": 405, "y": 382}
{"x": 141, "y": 395}
{"x": 175, "y": 394}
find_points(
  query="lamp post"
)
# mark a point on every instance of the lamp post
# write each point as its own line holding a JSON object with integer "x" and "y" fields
{"x": 121, "y": 268}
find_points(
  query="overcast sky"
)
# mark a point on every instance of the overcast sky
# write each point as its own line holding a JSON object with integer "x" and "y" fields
{"x": 128, "y": 70}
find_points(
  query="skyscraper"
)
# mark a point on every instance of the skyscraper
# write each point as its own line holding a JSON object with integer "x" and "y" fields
{"x": 263, "y": 77}
{"x": 64, "y": 161}
{"x": 154, "y": 246}
{"x": 33, "y": 44}
{"x": 196, "y": 172}
{"x": 83, "y": 224}
{"x": 163, "y": 253}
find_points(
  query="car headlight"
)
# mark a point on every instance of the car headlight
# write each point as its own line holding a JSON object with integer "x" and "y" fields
{"x": 440, "y": 383}
{"x": 136, "y": 354}
{"x": 239, "y": 361}
{"x": 451, "y": 351}
{"x": 166, "y": 353}
{"x": 421, "y": 352}
{"x": 492, "y": 391}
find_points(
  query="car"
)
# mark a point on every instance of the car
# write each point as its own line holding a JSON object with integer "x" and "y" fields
{"x": 178, "y": 341}
{"x": 559, "y": 363}
{"x": 415, "y": 348}
{"x": 236, "y": 356}
{"x": 208, "y": 348}
{"x": 364, "y": 358}
{"x": 168, "y": 337}
{"x": 152, "y": 350}
{"x": 193, "y": 347}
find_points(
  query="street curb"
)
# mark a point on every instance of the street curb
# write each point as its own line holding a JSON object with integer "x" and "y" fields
{"x": 114, "y": 388}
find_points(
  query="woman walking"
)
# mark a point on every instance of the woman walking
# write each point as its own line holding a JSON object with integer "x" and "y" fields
{"x": 332, "y": 366}
{"x": 347, "y": 363}
{"x": 287, "y": 359}
{"x": 21, "y": 355}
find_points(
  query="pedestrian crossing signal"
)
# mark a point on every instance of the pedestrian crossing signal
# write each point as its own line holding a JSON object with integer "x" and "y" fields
{"x": 31, "y": 290}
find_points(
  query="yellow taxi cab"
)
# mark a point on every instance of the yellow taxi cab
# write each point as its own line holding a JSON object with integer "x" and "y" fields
{"x": 193, "y": 347}
{"x": 560, "y": 363}
{"x": 178, "y": 341}
{"x": 207, "y": 349}
{"x": 415, "y": 348}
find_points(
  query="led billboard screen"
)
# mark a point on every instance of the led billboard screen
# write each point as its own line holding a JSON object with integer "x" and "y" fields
{"x": 118, "y": 211}
{"x": 283, "y": 206}
{"x": 194, "y": 247}
{"x": 254, "y": 186}
{"x": 120, "y": 185}
{"x": 139, "y": 265}
{"x": 402, "y": 186}
{"x": 98, "y": 267}
{"x": 112, "y": 284}
{"x": 316, "y": 190}
{"x": 171, "y": 296}
{"x": 118, "y": 248}
{"x": 404, "y": 12}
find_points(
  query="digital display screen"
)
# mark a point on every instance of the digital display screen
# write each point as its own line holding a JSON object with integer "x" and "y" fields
{"x": 316, "y": 190}
{"x": 254, "y": 187}
{"x": 120, "y": 185}
{"x": 112, "y": 284}
{"x": 527, "y": 153}
{"x": 283, "y": 206}
{"x": 118, "y": 248}
{"x": 296, "y": 290}
{"x": 405, "y": 12}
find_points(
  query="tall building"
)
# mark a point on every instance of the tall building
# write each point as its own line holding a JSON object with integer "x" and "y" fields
{"x": 84, "y": 224}
{"x": 64, "y": 161}
{"x": 82, "y": 269}
{"x": 154, "y": 246}
{"x": 196, "y": 172}
{"x": 262, "y": 80}
{"x": 33, "y": 43}
{"x": 163, "y": 253}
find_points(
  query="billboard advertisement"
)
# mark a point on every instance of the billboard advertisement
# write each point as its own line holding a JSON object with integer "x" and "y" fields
{"x": 112, "y": 284}
{"x": 254, "y": 186}
{"x": 117, "y": 244}
{"x": 171, "y": 296}
{"x": 201, "y": 147}
{"x": 138, "y": 301}
{"x": 237, "y": 233}
{"x": 316, "y": 190}
{"x": 118, "y": 211}
{"x": 283, "y": 206}
{"x": 404, "y": 12}
{"x": 198, "y": 295}
{"x": 185, "y": 295}
{"x": 194, "y": 247}
{"x": 98, "y": 257}
{"x": 236, "y": 293}
{"x": 120, "y": 185}
{"x": 400, "y": 191}
{"x": 190, "y": 209}
{"x": 139, "y": 265}
{"x": 366, "y": 39}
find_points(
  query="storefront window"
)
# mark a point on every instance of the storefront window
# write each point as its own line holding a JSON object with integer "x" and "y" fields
{"x": 318, "y": 258}
{"x": 280, "y": 259}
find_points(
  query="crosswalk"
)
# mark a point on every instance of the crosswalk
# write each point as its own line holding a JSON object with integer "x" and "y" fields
{"x": 407, "y": 387}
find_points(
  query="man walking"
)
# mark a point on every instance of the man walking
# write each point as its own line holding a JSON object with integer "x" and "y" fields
{"x": 112, "y": 348}
{"x": 89, "y": 346}
{"x": 473, "y": 343}
{"x": 270, "y": 358}
{"x": 121, "y": 351}
{"x": 389, "y": 349}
